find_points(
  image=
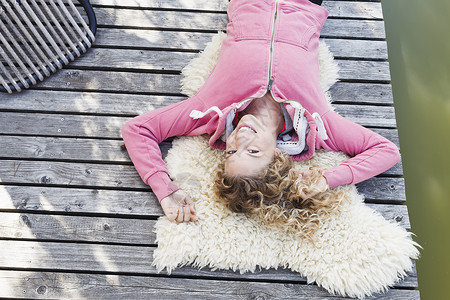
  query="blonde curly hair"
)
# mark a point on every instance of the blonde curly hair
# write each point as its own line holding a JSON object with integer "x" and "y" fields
{"x": 273, "y": 196}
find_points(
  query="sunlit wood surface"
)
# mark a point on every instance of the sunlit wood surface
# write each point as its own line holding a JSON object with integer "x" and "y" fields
{"x": 76, "y": 220}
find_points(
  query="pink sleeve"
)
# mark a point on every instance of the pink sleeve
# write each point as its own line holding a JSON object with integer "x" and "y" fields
{"x": 371, "y": 153}
{"x": 143, "y": 134}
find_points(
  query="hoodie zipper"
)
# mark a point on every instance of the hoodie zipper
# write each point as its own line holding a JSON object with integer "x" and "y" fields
{"x": 272, "y": 39}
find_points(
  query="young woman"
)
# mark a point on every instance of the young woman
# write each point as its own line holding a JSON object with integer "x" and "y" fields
{"x": 263, "y": 104}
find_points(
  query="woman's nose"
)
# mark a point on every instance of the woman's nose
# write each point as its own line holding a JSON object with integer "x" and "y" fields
{"x": 244, "y": 138}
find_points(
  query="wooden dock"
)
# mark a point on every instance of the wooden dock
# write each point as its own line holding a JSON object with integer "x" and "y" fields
{"x": 76, "y": 220}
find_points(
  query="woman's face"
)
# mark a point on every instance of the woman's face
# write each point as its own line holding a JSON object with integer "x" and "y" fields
{"x": 250, "y": 147}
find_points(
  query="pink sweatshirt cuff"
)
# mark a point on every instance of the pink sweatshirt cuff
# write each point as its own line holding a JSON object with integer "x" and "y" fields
{"x": 161, "y": 184}
{"x": 339, "y": 175}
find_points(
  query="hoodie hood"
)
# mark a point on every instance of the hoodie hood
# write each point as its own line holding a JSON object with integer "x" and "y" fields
{"x": 298, "y": 140}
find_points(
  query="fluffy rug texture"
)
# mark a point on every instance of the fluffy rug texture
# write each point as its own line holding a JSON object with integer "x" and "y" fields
{"x": 356, "y": 252}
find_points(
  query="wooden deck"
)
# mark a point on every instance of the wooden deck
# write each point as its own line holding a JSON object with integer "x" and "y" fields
{"x": 76, "y": 219}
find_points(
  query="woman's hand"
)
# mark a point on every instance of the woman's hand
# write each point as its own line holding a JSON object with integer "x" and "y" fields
{"x": 321, "y": 184}
{"x": 179, "y": 207}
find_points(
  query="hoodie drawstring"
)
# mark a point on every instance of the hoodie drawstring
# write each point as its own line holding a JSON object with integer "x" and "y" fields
{"x": 320, "y": 126}
{"x": 196, "y": 114}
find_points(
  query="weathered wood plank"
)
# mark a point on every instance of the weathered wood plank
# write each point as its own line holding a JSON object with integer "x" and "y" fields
{"x": 111, "y": 103}
{"x": 76, "y": 257}
{"x": 86, "y": 102}
{"x": 168, "y": 39}
{"x": 62, "y": 125}
{"x": 134, "y": 59}
{"x": 114, "y": 176}
{"x": 153, "y": 39}
{"x": 380, "y": 116}
{"x": 364, "y": 70}
{"x": 110, "y": 126}
{"x": 125, "y": 176}
{"x": 70, "y": 174}
{"x": 78, "y": 229}
{"x": 68, "y": 149}
{"x": 214, "y": 5}
{"x": 351, "y": 9}
{"x": 343, "y": 9}
{"x": 361, "y": 49}
{"x": 383, "y": 188}
{"x": 137, "y": 82}
{"x": 45, "y": 285}
{"x": 373, "y": 93}
{"x": 88, "y": 150}
{"x": 80, "y": 201}
{"x": 134, "y": 38}
{"x": 112, "y": 202}
{"x": 115, "y": 230}
{"x": 143, "y": 18}
{"x": 103, "y": 258}
{"x": 79, "y": 149}
{"x": 151, "y": 19}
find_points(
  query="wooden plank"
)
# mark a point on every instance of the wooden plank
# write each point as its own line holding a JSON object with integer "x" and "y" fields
{"x": 115, "y": 230}
{"x": 62, "y": 125}
{"x": 78, "y": 229}
{"x": 342, "y": 9}
{"x": 86, "y": 201}
{"x": 154, "y": 39}
{"x": 67, "y": 174}
{"x": 79, "y": 149}
{"x": 77, "y": 257}
{"x": 64, "y": 149}
{"x": 367, "y": 115}
{"x": 110, "y": 126}
{"x": 152, "y": 19}
{"x": 113, "y": 202}
{"x": 136, "y": 82}
{"x": 143, "y": 18}
{"x": 373, "y": 93}
{"x": 87, "y": 150}
{"x": 113, "y": 81}
{"x": 112, "y": 103}
{"x": 110, "y": 258}
{"x": 351, "y": 9}
{"x": 134, "y": 38}
{"x": 389, "y": 189}
{"x": 68, "y": 149}
{"x": 214, "y": 5}
{"x": 85, "y": 102}
{"x": 70, "y": 174}
{"x": 133, "y": 59}
{"x": 364, "y": 70}
{"x": 361, "y": 49}
{"x": 45, "y": 285}
{"x": 168, "y": 39}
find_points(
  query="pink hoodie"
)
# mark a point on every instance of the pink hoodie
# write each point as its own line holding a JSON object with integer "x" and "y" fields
{"x": 271, "y": 46}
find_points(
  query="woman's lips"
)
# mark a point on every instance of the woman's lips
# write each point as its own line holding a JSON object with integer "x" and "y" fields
{"x": 247, "y": 127}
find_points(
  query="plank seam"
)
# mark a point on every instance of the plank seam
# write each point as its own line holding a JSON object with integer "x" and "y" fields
{"x": 300, "y": 281}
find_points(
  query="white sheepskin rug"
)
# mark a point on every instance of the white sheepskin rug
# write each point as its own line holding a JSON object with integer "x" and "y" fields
{"x": 356, "y": 252}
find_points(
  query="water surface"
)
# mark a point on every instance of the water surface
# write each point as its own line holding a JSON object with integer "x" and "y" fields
{"x": 418, "y": 35}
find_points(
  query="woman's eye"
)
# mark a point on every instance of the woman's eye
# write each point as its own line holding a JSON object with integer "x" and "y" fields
{"x": 231, "y": 152}
{"x": 253, "y": 151}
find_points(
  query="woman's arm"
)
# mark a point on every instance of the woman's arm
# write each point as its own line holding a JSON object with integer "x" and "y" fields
{"x": 371, "y": 153}
{"x": 143, "y": 134}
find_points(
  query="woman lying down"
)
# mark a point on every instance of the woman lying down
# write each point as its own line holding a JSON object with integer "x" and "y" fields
{"x": 263, "y": 104}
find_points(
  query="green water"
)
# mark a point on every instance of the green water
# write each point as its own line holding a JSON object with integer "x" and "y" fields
{"x": 418, "y": 35}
